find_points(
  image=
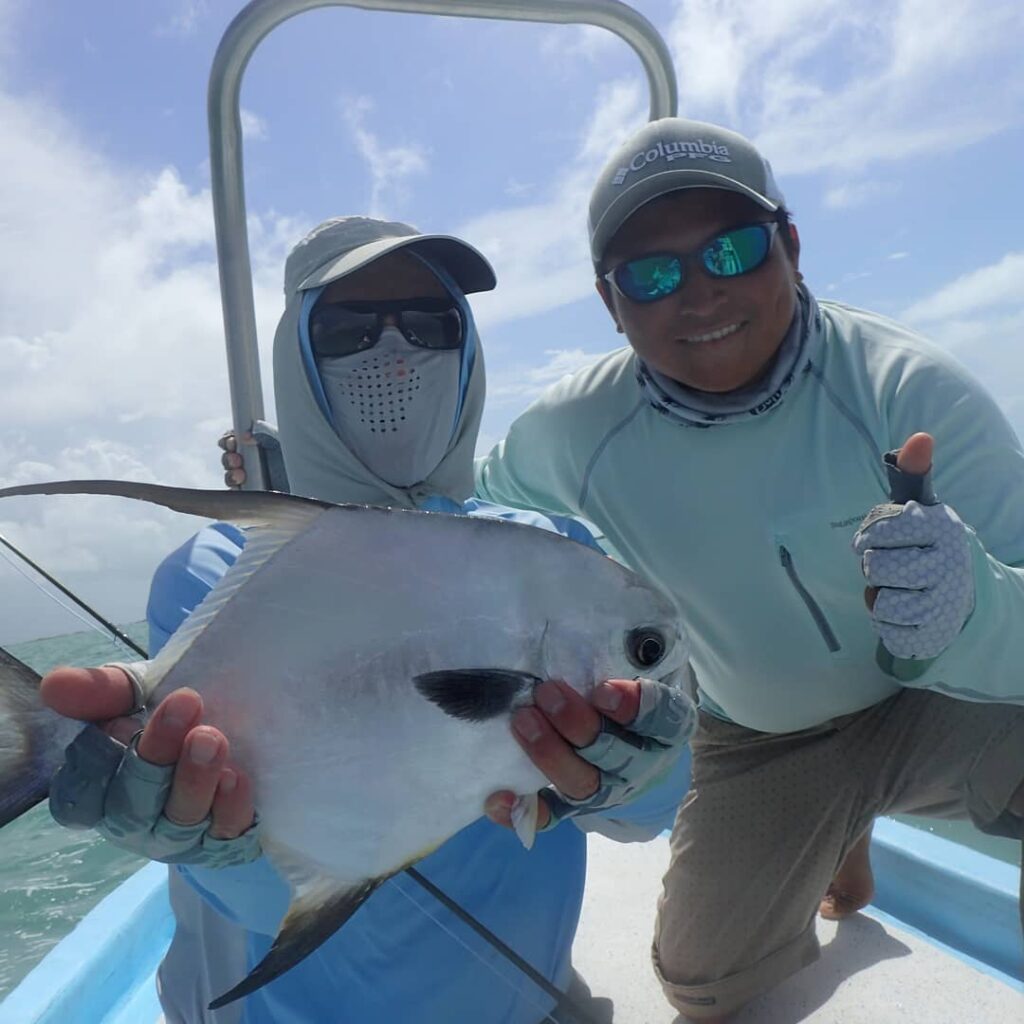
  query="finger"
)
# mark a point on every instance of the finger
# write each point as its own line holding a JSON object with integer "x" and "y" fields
{"x": 89, "y": 694}
{"x": 162, "y": 738}
{"x": 568, "y": 712}
{"x": 234, "y": 477}
{"x": 907, "y": 568}
{"x": 232, "y": 812}
{"x": 663, "y": 713}
{"x": 916, "y": 454}
{"x": 196, "y": 776}
{"x": 553, "y": 755}
{"x": 618, "y": 699}
{"x": 231, "y": 460}
{"x": 903, "y": 607}
{"x": 498, "y": 807}
{"x": 227, "y": 441}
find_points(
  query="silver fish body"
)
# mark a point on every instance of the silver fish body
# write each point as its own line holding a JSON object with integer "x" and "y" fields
{"x": 364, "y": 664}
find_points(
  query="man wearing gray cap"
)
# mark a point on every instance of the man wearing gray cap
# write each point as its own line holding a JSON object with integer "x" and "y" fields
{"x": 733, "y": 452}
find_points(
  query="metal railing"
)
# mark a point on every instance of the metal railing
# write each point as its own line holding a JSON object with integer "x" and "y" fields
{"x": 253, "y": 23}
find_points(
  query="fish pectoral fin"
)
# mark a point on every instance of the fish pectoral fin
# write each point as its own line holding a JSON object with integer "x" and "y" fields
{"x": 524, "y": 818}
{"x": 475, "y": 694}
{"x": 313, "y": 917}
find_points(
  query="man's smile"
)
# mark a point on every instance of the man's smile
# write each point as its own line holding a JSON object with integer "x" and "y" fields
{"x": 715, "y": 335}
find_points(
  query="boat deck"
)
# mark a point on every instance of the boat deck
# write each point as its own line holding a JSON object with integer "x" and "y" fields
{"x": 873, "y": 969}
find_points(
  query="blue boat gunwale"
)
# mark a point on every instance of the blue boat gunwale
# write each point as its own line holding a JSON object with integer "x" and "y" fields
{"x": 960, "y": 900}
{"x": 100, "y": 971}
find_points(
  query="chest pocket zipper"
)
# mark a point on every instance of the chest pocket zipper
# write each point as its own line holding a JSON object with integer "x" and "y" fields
{"x": 812, "y": 606}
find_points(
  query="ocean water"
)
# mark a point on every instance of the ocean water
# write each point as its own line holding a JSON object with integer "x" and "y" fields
{"x": 53, "y": 876}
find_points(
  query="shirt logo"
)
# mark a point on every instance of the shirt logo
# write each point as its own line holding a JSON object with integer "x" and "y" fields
{"x": 669, "y": 151}
{"x": 842, "y": 524}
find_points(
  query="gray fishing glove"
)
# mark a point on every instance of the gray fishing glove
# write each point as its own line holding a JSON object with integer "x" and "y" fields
{"x": 133, "y": 819}
{"x": 631, "y": 760}
{"x": 105, "y": 785}
{"x": 919, "y": 556}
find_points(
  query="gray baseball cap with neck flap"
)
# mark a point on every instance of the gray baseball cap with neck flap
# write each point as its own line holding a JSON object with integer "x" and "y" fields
{"x": 671, "y": 154}
{"x": 345, "y": 244}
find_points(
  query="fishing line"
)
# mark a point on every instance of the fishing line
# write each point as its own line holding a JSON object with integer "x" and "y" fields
{"x": 563, "y": 1002}
{"x": 97, "y": 621}
{"x": 476, "y": 954}
{"x": 561, "y": 999}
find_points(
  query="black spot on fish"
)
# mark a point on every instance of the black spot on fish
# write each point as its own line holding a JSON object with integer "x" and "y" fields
{"x": 474, "y": 694}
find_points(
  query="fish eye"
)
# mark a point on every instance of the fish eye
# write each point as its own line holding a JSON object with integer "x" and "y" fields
{"x": 645, "y": 647}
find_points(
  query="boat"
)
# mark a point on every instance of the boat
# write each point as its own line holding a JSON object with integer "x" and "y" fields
{"x": 941, "y": 942}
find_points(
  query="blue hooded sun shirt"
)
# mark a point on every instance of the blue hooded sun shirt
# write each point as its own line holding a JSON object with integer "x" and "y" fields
{"x": 402, "y": 957}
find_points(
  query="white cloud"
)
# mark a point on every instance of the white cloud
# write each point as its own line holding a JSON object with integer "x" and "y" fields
{"x": 185, "y": 19}
{"x": 390, "y": 166}
{"x": 997, "y": 285}
{"x": 111, "y": 354}
{"x": 722, "y": 53}
{"x": 518, "y": 189}
{"x": 587, "y": 42}
{"x": 878, "y": 103}
{"x": 979, "y": 317}
{"x": 897, "y": 255}
{"x": 522, "y": 384}
{"x": 539, "y": 250}
{"x": 254, "y": 127}
{"x": 857, "y": 193}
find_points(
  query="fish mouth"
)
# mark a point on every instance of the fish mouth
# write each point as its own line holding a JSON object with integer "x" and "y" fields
{"x": 677, "y": 677}
{"x": 725, "y": 331}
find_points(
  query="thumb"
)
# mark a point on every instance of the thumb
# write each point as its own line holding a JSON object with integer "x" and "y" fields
{"x": 89, "y": 694}
{"x": 916, "y": 454}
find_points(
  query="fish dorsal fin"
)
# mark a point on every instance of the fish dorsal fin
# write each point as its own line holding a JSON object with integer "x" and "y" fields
{"x": 320, "y": 906}
{"x": 476, "y": 694}
{"x": 271, "y": 520}
{"x": 244, "y": 508}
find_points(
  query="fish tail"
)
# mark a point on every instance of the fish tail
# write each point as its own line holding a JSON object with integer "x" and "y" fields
{"x": 32, "y": 739}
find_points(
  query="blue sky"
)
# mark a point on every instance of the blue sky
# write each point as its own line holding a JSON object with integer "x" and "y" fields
{"x": 896, "y": 132}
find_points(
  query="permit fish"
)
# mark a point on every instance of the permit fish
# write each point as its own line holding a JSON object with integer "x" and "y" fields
{"x": 364, "y": 663}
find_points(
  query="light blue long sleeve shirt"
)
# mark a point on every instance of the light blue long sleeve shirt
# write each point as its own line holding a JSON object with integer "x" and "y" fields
{"x": 748, "y": 523}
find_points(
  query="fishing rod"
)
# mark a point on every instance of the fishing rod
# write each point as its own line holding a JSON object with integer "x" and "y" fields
{"x": 118, "y": 634}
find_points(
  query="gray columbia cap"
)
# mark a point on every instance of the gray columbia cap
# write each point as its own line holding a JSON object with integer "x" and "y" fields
{"x": 339, "y": 246}
{"x": 672, "y": 154}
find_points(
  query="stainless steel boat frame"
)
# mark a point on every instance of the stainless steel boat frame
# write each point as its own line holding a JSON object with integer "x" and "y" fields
{"x": 252, "y": 24}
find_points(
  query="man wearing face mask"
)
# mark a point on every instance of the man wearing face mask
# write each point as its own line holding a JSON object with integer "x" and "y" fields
{"x": 379, "y": 382}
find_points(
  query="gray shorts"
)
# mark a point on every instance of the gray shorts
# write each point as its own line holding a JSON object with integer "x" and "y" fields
{"x": 770, "y": 817}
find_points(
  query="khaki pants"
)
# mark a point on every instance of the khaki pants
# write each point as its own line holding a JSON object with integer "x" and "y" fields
{"x": 770, "y": 817}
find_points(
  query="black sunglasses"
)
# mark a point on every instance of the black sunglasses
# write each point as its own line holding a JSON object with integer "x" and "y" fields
{"x": 345, "y": 328}
{"x": 729, "y": 254}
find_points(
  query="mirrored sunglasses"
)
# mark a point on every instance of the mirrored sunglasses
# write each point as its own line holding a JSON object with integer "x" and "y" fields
{"x": 730, "y": 254}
